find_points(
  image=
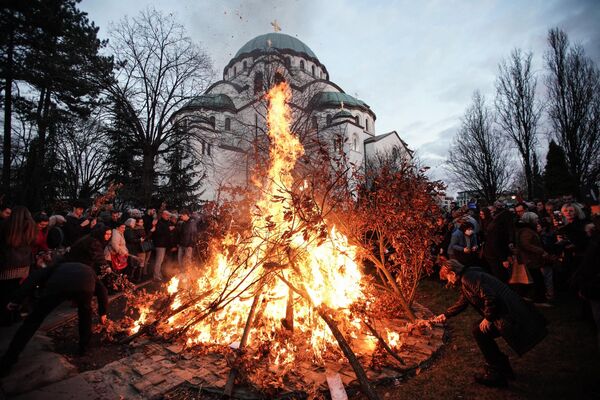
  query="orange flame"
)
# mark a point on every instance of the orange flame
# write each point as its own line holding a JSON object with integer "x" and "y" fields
{"x": 325, "y": 269}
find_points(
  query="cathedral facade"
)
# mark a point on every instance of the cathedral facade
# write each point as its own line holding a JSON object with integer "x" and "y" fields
{"x": 229, "y": 119}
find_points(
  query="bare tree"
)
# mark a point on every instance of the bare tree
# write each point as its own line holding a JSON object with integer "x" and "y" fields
{"x": 573, "y": 83}
{"x": 518, "y": 111}
{"x": 159, "y": 68}
{"x": 82, "y": 152}
{"x": 479, "y": 158}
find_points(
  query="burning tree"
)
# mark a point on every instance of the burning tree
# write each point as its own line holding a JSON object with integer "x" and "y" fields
{"x": 284, "y": 290}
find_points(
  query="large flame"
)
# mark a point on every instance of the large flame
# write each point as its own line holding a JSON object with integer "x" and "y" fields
{"x": 278, "y": 250}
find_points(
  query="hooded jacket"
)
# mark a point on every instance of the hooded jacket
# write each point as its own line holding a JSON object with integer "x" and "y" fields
{"x": 89, "y": 250}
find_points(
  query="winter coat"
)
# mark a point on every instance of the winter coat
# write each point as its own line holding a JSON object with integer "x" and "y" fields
{"x": 118, "y": 244}
{"x": 88, "y": 250}
{"x": 162, "y": 234}
{"x": 187, "y": 233}
{"x": 148, "y": 222}
{"x": 530, "y": 248}
{"x": 41, "y": 241}
{"x": 458, "y": 242}
{"x": 587, "y": 277}
{"x": 518, "y": 323}
{"x": 15, "y": 261}
{"x": 575, "y": 233}
{"x": 73, "y": 230}
{"x": 500, "y": 232}
{"x": 133, "y": 238}
{"x": 66, "y": 279}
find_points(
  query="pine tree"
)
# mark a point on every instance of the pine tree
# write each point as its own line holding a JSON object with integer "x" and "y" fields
{"x": 558, "y": 181}
{"x": 183, "y": 176}
{"x": 62, "y": 69}
{"x": 537, "y": 178}
{"x": 124, "y": 164}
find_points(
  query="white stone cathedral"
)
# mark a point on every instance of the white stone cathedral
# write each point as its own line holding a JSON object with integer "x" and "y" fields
{"x": 229, "y": 118}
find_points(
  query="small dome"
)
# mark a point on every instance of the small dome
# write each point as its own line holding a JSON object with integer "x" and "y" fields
{"x": 213, "y": 102}
{"x": 343, "y": 114}
{"x": 270, "y": 41}
{"x": 336, "y": 99}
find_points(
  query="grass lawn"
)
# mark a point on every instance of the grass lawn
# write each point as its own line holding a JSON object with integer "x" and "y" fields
{"x": 565, "y": 365}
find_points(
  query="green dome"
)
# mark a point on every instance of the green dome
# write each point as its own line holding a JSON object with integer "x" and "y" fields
{"x": 273, "y": 40}
{"x": 335, "y": 99}
{"x": 343, "y": 114}
{"x": 213, "y": 102}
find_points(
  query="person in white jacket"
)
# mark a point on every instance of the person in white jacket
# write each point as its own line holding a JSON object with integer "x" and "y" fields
{"x": 116, "y": 251}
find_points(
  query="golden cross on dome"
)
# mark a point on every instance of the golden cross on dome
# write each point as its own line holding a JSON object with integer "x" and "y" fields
{"x": 275, "y": 26}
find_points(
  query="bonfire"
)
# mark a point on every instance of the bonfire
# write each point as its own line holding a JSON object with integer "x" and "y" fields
{"x": 285, "y": 292}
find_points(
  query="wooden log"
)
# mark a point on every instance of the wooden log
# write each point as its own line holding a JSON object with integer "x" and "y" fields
{"x": 384, "y": 343}
{"x": 164, "y": 316}
{"x": 288, "y": 322}
{"x": 228, "y": 391}
{"x": 363, "y": 381}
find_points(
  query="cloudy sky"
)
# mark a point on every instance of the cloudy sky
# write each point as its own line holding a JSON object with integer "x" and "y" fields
{"x": 416, "y": 63}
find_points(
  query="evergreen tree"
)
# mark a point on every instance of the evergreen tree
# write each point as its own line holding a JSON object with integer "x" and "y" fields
{"x": 537, "y": 178}
{"x": 124, "y": 164}
{"x": 182, "y": 175}
{"x": 59, "y": 62}
{"x": 558, "y": 180}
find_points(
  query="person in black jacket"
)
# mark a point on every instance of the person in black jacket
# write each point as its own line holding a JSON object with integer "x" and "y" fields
{"x": 499, "y": 240}
{"x": 504, "y": 314}
{"x": 187, "y": 232}
{"x": 76, "y": 225}
{"x": 66, "y": 281}
{"x": 162, "y": 241}
{"x": 89, "y": 250}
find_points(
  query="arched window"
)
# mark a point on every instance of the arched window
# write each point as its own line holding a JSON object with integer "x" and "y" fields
{"x": 357, "y": 120}
{"x": 328, "y": 119}
{"x": 212, "y": 121}
{"x": 258, "y": 83}
{"x": 227, "y": 124}
{"x": 337, "y": 143}
{"x": 312, "y": 68}
{"x": 206, "y": 147}
{"x": 366, "y": 124}
{"x": 234, "y": 71}
{"x": 245, "y": 65}
{"x": 302, "y": 65}
{"x": 355, "y": 142}
{"x": 314, "y": 123}
{"x": 288, "y": 62}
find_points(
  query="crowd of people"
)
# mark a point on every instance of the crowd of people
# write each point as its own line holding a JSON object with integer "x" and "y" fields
{"x": 82, "y": 254}
{"x": 506, "y": 260}
{"x": 501, "y": 256}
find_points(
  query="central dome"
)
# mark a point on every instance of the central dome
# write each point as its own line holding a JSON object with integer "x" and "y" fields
{"x": 274, "y": 40}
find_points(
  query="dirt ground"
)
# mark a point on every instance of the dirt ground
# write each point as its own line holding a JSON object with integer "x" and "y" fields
{"x": 565, "y": 365}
